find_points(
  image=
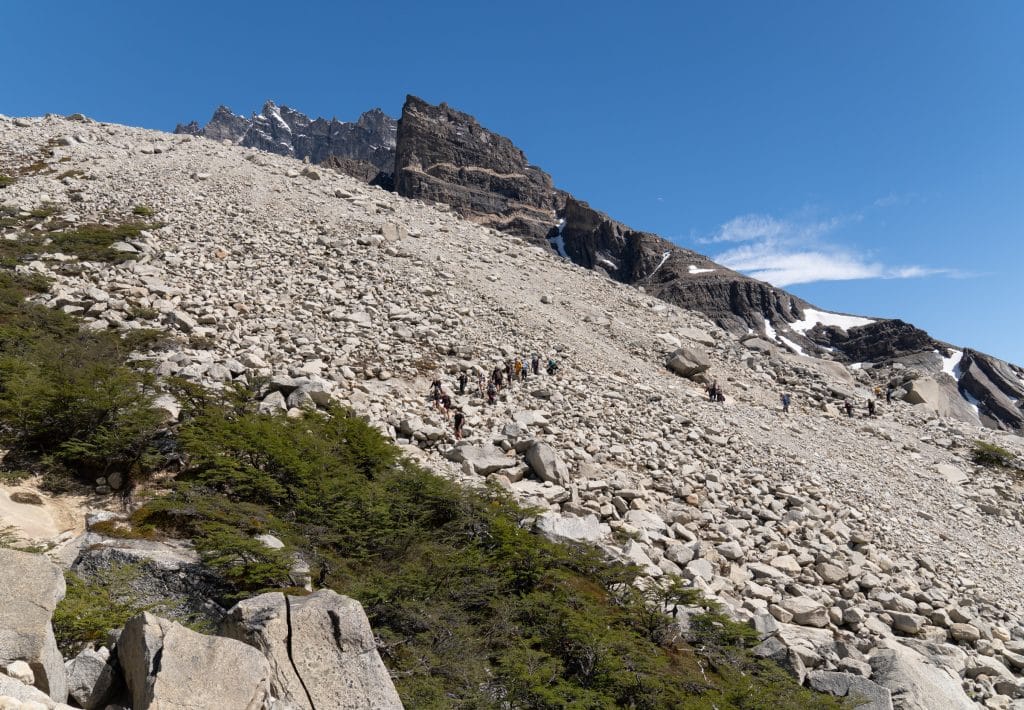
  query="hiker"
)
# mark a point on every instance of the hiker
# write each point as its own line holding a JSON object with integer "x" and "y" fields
{"x": 463, "y": 379}
{"x": 446, "y": 404}
{"x": 871, "y": 407}
{"x": 888, "y": 394}
{"x": 719, "y": 394}
{"x": 524, "y": 370}
{"x": 482, "y": 385}
{"x": 712, "y": 391}
{"x": 496, "y": 377}
{"x": 492, "y": 393}
{"x": 518, "y": 367}
{"x": 535, "y": 363}
{"x": 848, "y": 405}
{"x": 458, "y": 421}
{"x": 435, "y": 391}
{"x": 552, "y": 366}
{"x": 785, "y": 403}
{"x": 508, "y": 372}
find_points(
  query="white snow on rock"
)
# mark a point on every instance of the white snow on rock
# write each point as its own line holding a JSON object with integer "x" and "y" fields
{"x": 558, "y": 241}
{"x": 791, "y": 345}
{"x": 813, "y": 317}
{"x": 664, "y": 258}
{"x": 769, "y": 330}
{"x": 696, "y": 270}
{"x": 951, "y": 364}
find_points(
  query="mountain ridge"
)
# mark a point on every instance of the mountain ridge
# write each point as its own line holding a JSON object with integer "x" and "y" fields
{"x": 443, "y": 155}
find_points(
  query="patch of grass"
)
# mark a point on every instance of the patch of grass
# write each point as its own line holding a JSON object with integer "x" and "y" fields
{"x": 124, "y": 530}
{"x": 92, "y": 242}
{"x": 6, "y": 180}
{"x": 143, "y": 211}
{"x": 992, "y": 456}
{"x": 38, "y": 167}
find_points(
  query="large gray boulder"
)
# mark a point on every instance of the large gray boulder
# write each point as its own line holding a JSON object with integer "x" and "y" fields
{"x": 863, "y": 693}
{"x": 30, "y": 588}
{"x": 546, "y": 464}
{"x": 916, "y": 684}
{"x": 568, "y": 528}
{"x": 169, "y": 667}
{"x": 320, "y": 647}
{"x": 940, "y": 394}
{"x": 687, "y": 362}
{"x": 483, "y": 459}
{"x": 93, "y": 680}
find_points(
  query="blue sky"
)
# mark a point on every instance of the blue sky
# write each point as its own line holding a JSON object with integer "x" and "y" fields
{"x": 869, "y": 156}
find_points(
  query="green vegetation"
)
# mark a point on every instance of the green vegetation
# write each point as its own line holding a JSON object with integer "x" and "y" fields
{"x": 471, "y": 607}
{"x": 93, "y": 606}
{"x": 473, "y": 610}
{"x": 143, "y": 211}
{"x": 92, "y": 242}
{"x": 6, "y": 180}
{"x": 986, "y": 454}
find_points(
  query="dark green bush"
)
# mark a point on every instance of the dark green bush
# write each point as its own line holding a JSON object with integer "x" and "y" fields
{"x": 986, "y": 454}
{"x": 473, "y": 611}
{"x": 92, "y": 607}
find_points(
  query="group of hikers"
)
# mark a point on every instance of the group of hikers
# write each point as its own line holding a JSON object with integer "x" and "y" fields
{"x": 503, "y": 376}
{"x": 786, "y": 399}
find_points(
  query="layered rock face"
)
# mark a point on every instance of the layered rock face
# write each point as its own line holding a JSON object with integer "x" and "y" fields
{"x": 875, "y": 342}
{"x": 444, "y": 155}
{"x": 282, "y": 130}
{"x": 996, "y": 386}
{"x": 680, "y": 276}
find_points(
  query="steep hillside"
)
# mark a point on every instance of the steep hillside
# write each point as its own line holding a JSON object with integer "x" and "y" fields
{"x": 859, "y": 547}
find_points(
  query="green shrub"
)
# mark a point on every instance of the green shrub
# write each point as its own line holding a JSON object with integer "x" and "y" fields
{"x": 92, "y": 607}
{"x": 986, "y": 454}
{"x": 473, "y": 610}
{"x": 92, "y": 242}
{"x": 143, "y": 211}
{"x": 6, "y": 180}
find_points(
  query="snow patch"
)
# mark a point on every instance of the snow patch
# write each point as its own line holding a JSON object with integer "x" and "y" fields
{"x": 791, "y": 345}
{"x": 951, "y": 364}
{"x": 693, "y": 269}
{"x": 857, "y": 366}
{"x": 813, "y": 317}
{"x": 558, "y": 241}
{"x": 769, "y": 330}
{"x": 664, "y": 258}
{"x": 971, "y": 400}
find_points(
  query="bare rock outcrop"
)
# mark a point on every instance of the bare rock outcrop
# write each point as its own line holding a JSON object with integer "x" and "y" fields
{"x": 285, "y": 131}
{"x": 320, "y": 648}
{"x": 170, "y": 667}
{"x": 30, "y": 590}
{"x": 444, "y": 155}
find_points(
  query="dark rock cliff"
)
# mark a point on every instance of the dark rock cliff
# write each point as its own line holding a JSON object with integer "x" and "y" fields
{"x": 444, "y": 155}
{"x": 370, "y": 139}
{"x": 875, "y": 342}
{"x": 680, "y": 276}
{"x": 996, "y": 386}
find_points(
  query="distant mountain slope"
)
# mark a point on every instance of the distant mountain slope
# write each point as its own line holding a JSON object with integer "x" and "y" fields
{"x": 438, "y": 154}
{"x": 278, "y": 129}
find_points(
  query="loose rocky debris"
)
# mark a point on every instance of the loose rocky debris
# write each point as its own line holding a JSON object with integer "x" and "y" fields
{"x": 863, "y": 550}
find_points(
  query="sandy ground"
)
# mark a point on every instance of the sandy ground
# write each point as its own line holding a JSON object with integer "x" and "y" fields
{"x": 56, "y": 517}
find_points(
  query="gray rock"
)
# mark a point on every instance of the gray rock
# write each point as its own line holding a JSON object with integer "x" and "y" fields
{"x": 30, "y": 588}
{"x": 11, "y": 688}
{"x": 562, "y": 528}
{"x": 320, "y": 648}
{"x": 93, "y": 681}
{"x": 688, "y": 362}
{"x": 907, "y": 623}
{"x": 865, "y": 694}
{"x": 484, "y": 459}
{"x": 916, "y": 684}
{"x": 806, "y": 611}
{"x": 166, "y": 665}
{"x": 273, "y": 403}
{"x": 546, "y": 464}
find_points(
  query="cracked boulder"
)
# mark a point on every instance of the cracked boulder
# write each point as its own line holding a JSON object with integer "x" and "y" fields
{"x": 169, "y": 667}
{"x": 30, "y": 588}
{"x": 320, "y": 647}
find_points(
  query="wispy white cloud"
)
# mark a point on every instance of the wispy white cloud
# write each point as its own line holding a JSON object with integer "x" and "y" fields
{"x": 787, "y": 252}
